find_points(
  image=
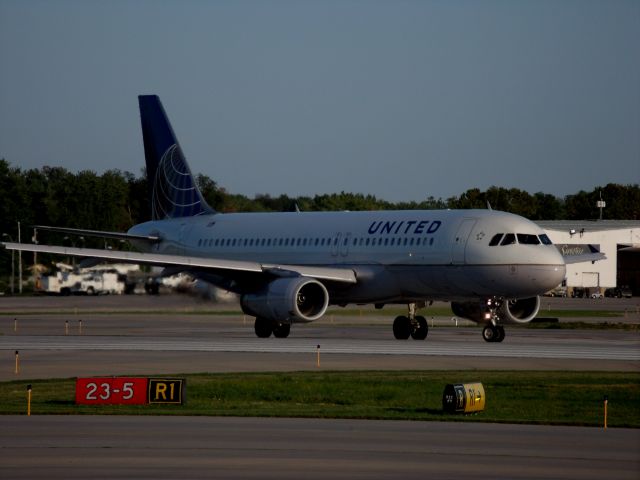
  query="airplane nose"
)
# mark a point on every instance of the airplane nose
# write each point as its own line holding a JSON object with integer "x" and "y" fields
{"x": 553, "y": 272}
{"x": 552, "y": 276}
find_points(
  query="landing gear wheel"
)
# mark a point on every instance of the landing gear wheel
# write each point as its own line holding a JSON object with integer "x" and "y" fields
{"x": 281, "y": 330}
{"x": 263, "y": 327}
{"x": 493, "y": 334}
{"x": 501, "y": 334}
{"x": 402, "y": 328}
{"x": 489, "y": 333}
{"x": 420, "y": 329}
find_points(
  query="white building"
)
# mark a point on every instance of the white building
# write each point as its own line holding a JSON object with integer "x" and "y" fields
{"x": 619, "y": 240}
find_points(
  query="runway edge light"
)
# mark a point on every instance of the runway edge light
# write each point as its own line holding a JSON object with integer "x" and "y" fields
{"x": 29, "y": 400}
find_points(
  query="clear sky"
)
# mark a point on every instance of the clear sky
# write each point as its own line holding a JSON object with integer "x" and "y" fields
{"x": 400, "y": 99}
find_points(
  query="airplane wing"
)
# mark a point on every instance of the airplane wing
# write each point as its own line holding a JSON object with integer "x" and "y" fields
{"x": 334, "y": 274}
{"x": 585, "y": 257}
{"x": 593, "y": 256}
{"x": 98, "y": 233}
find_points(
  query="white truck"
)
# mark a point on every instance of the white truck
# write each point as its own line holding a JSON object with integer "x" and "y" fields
{"x": 92, "y": 283}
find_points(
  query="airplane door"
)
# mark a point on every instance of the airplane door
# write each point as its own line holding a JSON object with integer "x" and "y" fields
{"x": 460, "y": 241}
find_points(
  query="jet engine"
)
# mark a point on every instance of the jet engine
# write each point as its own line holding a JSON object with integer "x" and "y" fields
{"x": 296, "y": 299}
{"x": 508, "y": 311}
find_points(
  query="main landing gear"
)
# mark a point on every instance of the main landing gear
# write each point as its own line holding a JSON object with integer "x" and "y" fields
{"x": 265, "y": 327}
{"x": 493, "y": 333}
{"x": 414, "y": 326}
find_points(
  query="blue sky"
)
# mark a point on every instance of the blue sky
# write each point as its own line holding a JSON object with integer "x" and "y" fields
{"x": 400, "y": 99}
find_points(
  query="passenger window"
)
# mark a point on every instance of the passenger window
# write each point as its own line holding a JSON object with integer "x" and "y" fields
{"x": 527, "y": 239}
{"x": 495, "y": 240}
{"x": 509, "y": 239}
{"x": 545, "y": 240}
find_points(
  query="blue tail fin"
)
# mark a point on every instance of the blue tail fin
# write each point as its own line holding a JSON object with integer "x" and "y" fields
{"x": 174, "y": 192}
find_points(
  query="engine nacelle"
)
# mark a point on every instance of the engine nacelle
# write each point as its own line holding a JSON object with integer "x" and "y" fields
{"x": 296, "y": 299}
{"x": 519, "y": 311}
{"x": 510, "y": 311}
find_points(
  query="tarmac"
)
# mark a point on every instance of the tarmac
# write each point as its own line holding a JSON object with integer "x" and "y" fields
{"x": 174, "y": 334}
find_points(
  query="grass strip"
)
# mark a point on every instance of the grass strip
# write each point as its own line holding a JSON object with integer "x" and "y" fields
{"x": 554, "y": 398}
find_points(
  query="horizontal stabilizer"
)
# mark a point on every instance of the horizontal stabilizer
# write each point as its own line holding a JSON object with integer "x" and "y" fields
{"x": 99, "y": 233}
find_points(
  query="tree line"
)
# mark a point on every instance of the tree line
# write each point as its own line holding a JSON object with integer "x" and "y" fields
{"x": 116, "y": 200}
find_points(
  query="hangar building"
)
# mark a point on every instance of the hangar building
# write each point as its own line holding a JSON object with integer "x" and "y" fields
{"x": 619, "y": 240}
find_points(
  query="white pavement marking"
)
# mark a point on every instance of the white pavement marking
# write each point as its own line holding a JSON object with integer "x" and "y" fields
{"x": 628, "y": 351}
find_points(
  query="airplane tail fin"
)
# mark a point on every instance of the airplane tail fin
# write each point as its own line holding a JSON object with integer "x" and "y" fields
{"x": 173, "y": 190}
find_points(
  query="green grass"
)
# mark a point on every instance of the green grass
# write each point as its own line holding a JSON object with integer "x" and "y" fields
{"x": 558, "y": 398}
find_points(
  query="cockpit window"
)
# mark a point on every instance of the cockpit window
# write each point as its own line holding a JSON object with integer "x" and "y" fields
{"x": 528, "y": 239}
{"x": 509, "y": 239}
{"x": 545, "y": 240}
{"x": 495, "y": 240}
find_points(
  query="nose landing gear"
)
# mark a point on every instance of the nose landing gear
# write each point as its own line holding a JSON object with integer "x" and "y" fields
{"x": 493, "y": 332}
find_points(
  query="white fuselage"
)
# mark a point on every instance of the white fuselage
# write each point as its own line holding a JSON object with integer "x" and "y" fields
{"x": 397, "y": 256}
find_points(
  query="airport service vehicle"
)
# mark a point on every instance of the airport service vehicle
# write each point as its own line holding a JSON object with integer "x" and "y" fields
{"x": 289, "y": 267}
{"x": 92, "y": 283}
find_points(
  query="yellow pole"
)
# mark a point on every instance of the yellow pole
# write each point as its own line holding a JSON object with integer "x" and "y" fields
{"x": 80, "y": 326}
{"x": 17, "y": 363}
{"x": 28, "y": 400}
{"x": 15, "y": 324}
{"x": 606, "y": 402}
{"x": 66, "y": 327}
{"x": 318, "y": 359}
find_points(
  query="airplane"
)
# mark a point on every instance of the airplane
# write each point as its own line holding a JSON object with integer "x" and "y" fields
{"x": 289, "y": 267}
